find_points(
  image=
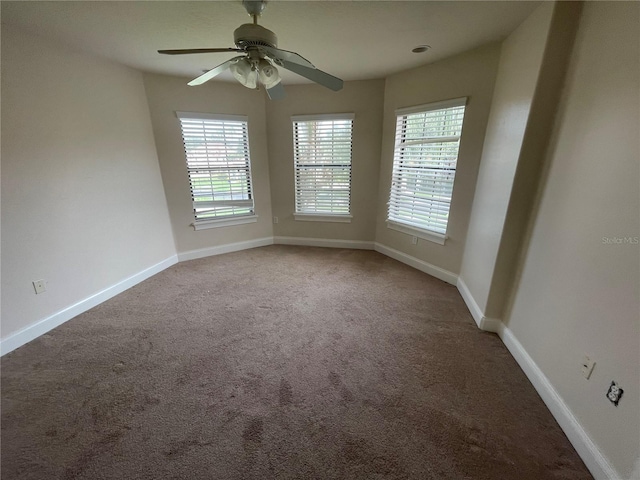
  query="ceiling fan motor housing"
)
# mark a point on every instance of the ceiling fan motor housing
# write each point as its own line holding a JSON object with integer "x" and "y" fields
{"x": 253, "y": 35}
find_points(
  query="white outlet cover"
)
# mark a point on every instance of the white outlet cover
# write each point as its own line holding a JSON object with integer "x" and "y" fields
{"x": 39, "y": 286}
{"x": 587, "y": 366}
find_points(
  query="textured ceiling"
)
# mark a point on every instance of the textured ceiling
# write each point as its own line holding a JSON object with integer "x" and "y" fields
{"x": 353, "y": 40}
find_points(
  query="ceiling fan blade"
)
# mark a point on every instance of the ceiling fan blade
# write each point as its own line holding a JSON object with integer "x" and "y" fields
{"x": 285, "y": 56}
{"x": 205, "y": 77}
{"x": 318, "y": 76}
{"x": 276, "y": 92}
{"x": 186, "y": 51}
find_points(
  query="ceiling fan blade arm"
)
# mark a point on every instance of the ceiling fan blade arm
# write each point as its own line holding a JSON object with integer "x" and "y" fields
{"x": 187, "y": 51}
{"x": 318, "y": 76}
{"x": 285, "y": 56}
{"x": 205, "y": 77}
{"x": 276, "y": 92}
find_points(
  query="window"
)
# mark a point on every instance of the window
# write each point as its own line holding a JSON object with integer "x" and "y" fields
{"x": 322, "y": 153}
{"x": 424, "y": 167}
{"x": 217, "y": 152}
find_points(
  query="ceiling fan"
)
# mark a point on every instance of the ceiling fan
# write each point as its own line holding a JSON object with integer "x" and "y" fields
{"x": 259, "y": 57}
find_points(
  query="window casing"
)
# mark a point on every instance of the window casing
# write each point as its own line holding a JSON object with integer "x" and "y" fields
{"x": 219, "y": 167}
{"x": 322, "y": 157}
{"x": 424, "y": 167}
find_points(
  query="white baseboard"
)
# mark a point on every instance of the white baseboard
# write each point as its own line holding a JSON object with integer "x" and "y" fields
{"x": 323, "y": 242}
{"x": 41, "y": 327}
{"x": 490, "y": 324}
{"x": 596, "y": 462}
{"x": 418, "y": 264}
{"x": 227, "y": 248}
{"x": 484, "y": 323}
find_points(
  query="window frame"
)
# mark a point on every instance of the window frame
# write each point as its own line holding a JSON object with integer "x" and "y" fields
{"x": 224, "y": 220}
{"x": 320, "y": 216}
{"x": 400, "y": 144}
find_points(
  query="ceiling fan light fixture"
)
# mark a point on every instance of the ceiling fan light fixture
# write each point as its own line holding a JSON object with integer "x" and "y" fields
{"x": 259, "y": 57}
{"x": 244, "y": 73}
{"x": 268, "y": 74}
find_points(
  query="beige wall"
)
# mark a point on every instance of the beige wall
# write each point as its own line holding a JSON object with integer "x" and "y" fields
{"x": 364, "y": 99}
{"x": 520, "y": 62}
{"x": 166, "y": 95}
{"x": 558, "y": 50}
{"x": 472, "y": 75}
{"x": 577, "y": 294}
{"x": 82, "y": 201}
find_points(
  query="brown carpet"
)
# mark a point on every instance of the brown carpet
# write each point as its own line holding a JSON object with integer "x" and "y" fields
{"x": 277, "y": 363}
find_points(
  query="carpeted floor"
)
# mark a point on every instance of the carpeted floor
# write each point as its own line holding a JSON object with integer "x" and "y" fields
{"x": 277, "y": 363}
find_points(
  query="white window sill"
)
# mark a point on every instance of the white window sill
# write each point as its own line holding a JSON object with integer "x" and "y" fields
{"x": 417, "y": 232}
{"x": 224, "y": 222}
{"x": 317, "y": 217}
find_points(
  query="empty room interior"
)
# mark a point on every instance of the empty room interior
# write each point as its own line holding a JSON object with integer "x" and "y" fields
{"x": 346, "y": 240}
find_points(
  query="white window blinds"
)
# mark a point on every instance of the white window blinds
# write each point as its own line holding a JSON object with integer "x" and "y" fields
{"x": 217, "y": 152}
{"x": 424, "y": 164}
{"x": 322, "y": 154}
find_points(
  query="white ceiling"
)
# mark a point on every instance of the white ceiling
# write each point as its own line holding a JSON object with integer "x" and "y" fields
{"x": 353, "y": 40}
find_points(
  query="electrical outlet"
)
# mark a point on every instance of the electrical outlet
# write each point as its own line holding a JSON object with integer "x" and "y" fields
{"x": 614, "y": 394}
{"x": 414, "y": 240}
{"x": 39, "y": 286}
{"x": 275, "y": 219}
{"x": 587, "y": 366}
